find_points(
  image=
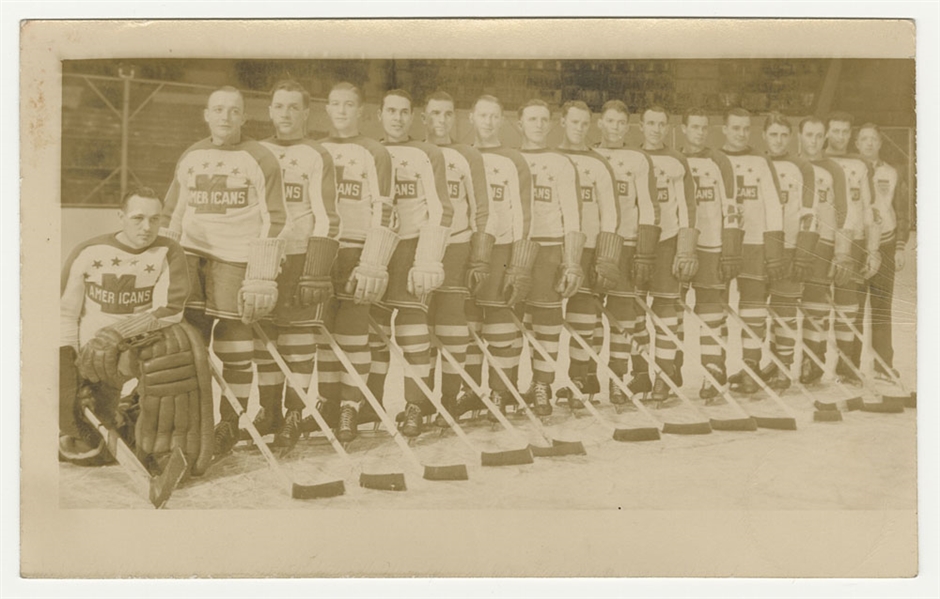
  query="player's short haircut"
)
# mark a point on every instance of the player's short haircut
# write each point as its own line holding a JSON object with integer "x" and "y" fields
{"x": 289, "y": 85}
{"x": 872, "y": 126}
{"x": 535, "y": 102}
{"x": 440, "y": 96}
{"x": 227, "y": 89}
{"x": 616, "y": 105}
{"x": 841, "y": 116}
{"x": 487, "y": 98}
{"x": 694, "y": 111}
{"x": 574, "y": 104}
{"x": 811, "y": 120}
{"x": 654, "y": 108}
{"x": 345, "y": 86}
{"x": 736, "y": 112}
{"x": 398, "y": 93}
{"x": 142, "y": 192}
{"x": 777, "y": 118}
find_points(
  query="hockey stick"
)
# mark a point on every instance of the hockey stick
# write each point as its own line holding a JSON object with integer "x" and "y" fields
{"x": 787, "y": 422}
{"x": 556, "y": 447}
{"x": 743, "y": 422}
{"x": 156, "y": 488}
{"x": 394, "y": 481}
{"x": 889, "y": 407}
{"x": 449, "y": 472}
{"x": 619, "y": 434}
{"x": 511, "y": 457}
{"x": 909, "y": 396}
{"x": 296, "y": 490}
{"x": 818, "y": 415}
{"x": 853, "y": 402}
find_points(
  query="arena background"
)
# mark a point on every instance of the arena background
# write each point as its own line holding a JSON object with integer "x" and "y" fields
{"x": 125, "y": 123}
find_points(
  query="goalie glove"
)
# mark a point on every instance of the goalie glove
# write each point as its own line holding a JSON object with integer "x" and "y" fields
{"x": 803, "y": 257}
{"x": 645, "y": 259}
{"x": 607, "y": 261}
{"x": 842, "y": 269}
{"x": 481, "y": 248}
{"x": 99, "y": 358}
{"x": 427, "y": 272}
{"x": 369, "y": 279}
{"x": 572, "y": 274}
{"x": 258, "y": 293}
{"x": 685, "y": 264}
{"x": 315, "y": 285}
{"x": 517, "y": 280}
{"x": 775, "y": 259}
{"x": 731, "y": 260}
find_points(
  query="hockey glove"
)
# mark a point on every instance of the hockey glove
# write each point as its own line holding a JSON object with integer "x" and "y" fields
{"x": 369, "y": 279}
{"x": 572, "y": 275}
{"x": 731, "y": 260}
{"x": 872, "y": 264}
{"x": 427, "y": 272}
{"x": 481, "y": 248}
{"x": 645, "y": 258}
{"x": 315, "y": 285}
{"x": 842, "y": 269}
{"x": 517, "y": 281}
{"x": 99, "y": 357}
{"x": 685, "y": 264}
{"x": 775, "y": 259}
{"x": 805, "y": 253}
{"x": 258, "y": 294}
{"x": 607, "y": 261}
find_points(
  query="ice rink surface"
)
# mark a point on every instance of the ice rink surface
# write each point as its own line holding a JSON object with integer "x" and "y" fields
{"x": 865, "y": 462}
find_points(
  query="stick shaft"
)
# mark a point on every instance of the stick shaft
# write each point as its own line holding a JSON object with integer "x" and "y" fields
{"x": 878, "y": 358}
{"x": 845, "y": 359}
{"x": 138, "y": 474}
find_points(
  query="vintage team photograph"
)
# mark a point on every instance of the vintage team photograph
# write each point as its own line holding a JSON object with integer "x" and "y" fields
{"x": 501, "y": 283}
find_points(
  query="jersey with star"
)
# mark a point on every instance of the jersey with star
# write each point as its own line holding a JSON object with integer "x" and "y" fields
{"x": 104, "y": 281}
{"x": 364, "y": 194}
{"x": 420, "y": 184}
{"x": 858, "y": 190}
{"x": 309, "y": 190}
{"x": 556, "y": 200}
{"x": 890, "y": 202}
{"x": 223, "y": 196}
{"x": 831, "y": 200}
{"x": 758, "y": 193}
{"x": 635, "y": 187}
{"x": 600, "y": 210}
{"x": 466, "y": 186}
{"x": 510, "y": 191}
{"x": 674, "y": 205}
{"x": 797, "y": 194}
{"x": 715, "y": 206}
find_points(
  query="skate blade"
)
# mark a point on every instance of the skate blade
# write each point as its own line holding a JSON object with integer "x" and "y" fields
{"x": 781, "y": 423}
{"x": 383, "y": 482}
{"x": 455, "y": 472}
{"x": 637, "y": 434}
{"x": 687, "y": 428}
{"x": 318, "y": 491}
{"x": 734, "y": 424}
{"x": 162, "y": 486}
{"x": 512, "y": 457}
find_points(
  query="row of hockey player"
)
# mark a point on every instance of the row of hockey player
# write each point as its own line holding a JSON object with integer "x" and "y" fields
{"x": 292, "y": 234}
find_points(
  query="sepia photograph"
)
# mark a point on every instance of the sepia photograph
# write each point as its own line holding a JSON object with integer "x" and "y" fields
{"x": 632, "y": 290}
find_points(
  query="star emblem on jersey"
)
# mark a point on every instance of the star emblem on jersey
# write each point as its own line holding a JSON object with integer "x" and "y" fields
{"x": 281, "y": 156}
{"x": 190, "y": 171}
{"x": 352, "y": 162}
{"x": 551, "y": 178}
{"x": 694, "y": 170}
{"x": 96, "y": 264}
{"x": 205, "y": 165}
{"x": 305, "y": 177}
{"x": 404, "y": 163}
{"x": 219, "y": 164}
{"x": 293, "y": 162}
{"x": 115, "y": 261}
{"x": 451, "y": 166}
{"x": 149, "y": 268}
{"x": 235, "y": 171}
{"x": 339, "y": 156}
{"x": 506, "y": 182}
{"x": 495, "y": 171}
{"x": 134, "y": 262}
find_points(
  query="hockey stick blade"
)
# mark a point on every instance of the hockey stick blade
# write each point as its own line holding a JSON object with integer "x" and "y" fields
{"x": 513, "y": 457}
{"x": 911, "y": 402}
{"x": 733, "y": 424}
{"x": 827, "y": 416}
{"x": 687, "y": 428}
{"x": 639, "y": 434}
{"x": 885, "y": 406}
{"x": 383, "y": 482}
{"x": 845, "y": 405}
{"x": 558, "y": 449}
{"x": 162, "y": 486}
{"x": 454, "y": 472}
{"x": 320, "y": 491}
{"x": 779, "y": 423}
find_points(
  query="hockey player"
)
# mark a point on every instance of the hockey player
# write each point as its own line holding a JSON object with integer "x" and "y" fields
{"x": 514, "y": 252}
{"x": 369, "y": 237}
{"x": 636, "y": 188}
{"x": 798, "y": 195}
{"x": 556, "y": 227}
{"x": 718, "y": 220}
{"x": 226, "y": 205}
{"x": 758, "y": 193}
{"x": 417, "y": 267}
{"x": 833, "y": 265}
{"x": 867, "y": 237}
{"x": 304, "y": 283}
{"x": 666, "y": 250}
{"x": 600, "y": 261}
{"x": 891, "y": 207}
{"x": 469, "y": 243}
{"x": 117, "y": 289}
